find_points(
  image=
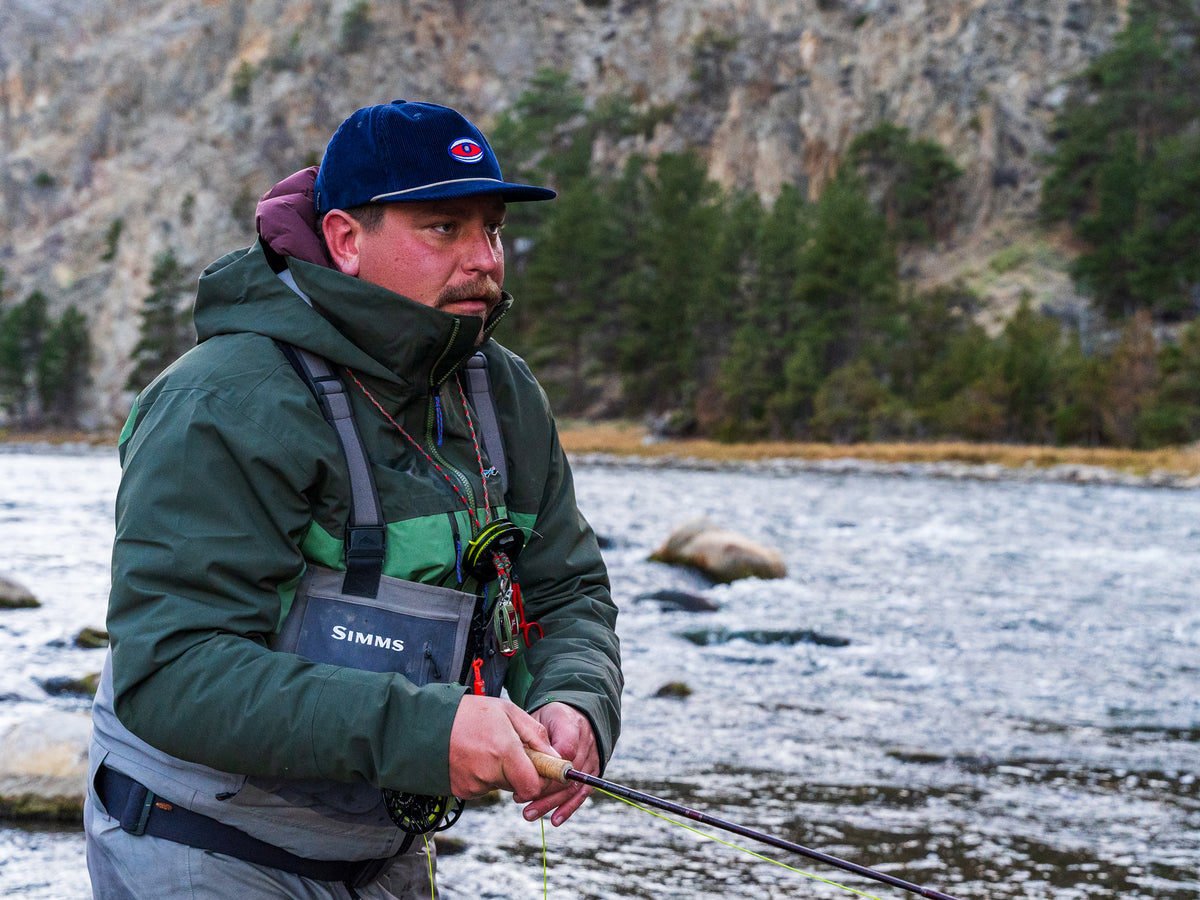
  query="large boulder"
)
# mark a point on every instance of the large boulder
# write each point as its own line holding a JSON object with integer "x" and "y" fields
{"x": 43, "y": 766}
{"x": 15, "y": 596}
{"x": 721, "y": 555}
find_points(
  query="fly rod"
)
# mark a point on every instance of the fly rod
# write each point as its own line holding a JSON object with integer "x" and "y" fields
{"x": 560, "y": 770}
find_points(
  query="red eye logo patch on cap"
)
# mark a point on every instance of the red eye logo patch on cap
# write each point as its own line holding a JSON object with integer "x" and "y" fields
{"x": 466, "y": 150}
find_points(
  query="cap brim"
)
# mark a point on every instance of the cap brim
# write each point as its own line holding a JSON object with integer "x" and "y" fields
{"x": 470, "y": 187}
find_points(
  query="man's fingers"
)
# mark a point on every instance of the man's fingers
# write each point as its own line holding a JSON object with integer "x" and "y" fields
{"x": 487, "y": 748}
{"x": 531, "y": 732}
{"x": 564, "y": 802}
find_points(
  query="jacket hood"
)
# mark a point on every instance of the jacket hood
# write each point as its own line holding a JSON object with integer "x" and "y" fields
{"x": 350, "y": 322}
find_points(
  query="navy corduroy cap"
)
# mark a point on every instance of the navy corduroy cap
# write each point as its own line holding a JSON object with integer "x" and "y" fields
{"x": 407, "y": 151}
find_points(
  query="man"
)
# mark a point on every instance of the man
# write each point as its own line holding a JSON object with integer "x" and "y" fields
{"x": 224, "y": 764}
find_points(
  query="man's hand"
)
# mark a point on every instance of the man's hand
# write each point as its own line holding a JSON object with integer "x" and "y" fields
{"x": 487, "y": 749}
{"x": 572, "y": 738}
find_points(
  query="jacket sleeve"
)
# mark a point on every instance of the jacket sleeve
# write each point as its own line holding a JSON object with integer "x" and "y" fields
{"x": 565, "y": 588}
{"x": 211, "y": 511}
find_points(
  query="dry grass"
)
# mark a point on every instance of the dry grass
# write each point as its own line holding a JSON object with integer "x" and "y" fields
{"x": 58, "y": 438}
{"x": 626, "y": 439}
{"x": 629, "y": 439}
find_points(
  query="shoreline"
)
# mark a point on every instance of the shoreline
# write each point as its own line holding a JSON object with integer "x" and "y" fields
{"x": 948, "y": 470}
{"x": 625, "y": 444}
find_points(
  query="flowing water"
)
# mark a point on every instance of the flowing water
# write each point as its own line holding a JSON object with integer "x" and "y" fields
{"x": 989, "y": 688}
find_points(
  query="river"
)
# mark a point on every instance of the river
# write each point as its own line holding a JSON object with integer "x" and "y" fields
{"x": 990, "y": 688}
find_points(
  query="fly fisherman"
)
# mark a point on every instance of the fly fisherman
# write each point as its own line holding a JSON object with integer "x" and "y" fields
{"x": 344, "y": 523}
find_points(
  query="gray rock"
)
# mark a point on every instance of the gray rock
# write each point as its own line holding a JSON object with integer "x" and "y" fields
{"x": 721, "y": 555}
{"x": 16, "y": 596}
{"x": 43, "y": 766}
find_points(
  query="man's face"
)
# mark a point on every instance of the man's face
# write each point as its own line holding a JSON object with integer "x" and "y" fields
{"x": 440, "y": 253}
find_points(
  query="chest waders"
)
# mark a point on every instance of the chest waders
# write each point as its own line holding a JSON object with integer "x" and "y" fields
{"x": 364, "y": 619}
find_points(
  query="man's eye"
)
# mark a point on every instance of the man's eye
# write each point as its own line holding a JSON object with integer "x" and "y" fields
{"x": 495, "y": 228}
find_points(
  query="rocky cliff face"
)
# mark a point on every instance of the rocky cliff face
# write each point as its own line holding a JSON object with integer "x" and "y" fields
{"x": 172, "y": 116}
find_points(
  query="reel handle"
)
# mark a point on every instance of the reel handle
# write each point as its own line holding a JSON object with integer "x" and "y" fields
{"x": 549, "y": 766}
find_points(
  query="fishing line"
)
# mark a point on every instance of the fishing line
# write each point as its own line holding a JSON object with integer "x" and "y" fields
{"x": 545, "y": 874}
{"x": 734, "y": 846}
{"x": 560, "y": 770}
{"x": 429, "y": 860}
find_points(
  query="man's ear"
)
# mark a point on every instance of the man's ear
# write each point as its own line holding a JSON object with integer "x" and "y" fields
{"x": 342, "y": 232}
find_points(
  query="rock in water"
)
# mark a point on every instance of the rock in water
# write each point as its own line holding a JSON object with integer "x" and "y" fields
{"x": 680, "y": 600}
{"x": 15, "y": 596}
{"x": 721, "y": 555}
{"x": 43, "y": 766}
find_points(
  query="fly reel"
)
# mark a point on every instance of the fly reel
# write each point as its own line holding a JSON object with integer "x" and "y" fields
{"x": 421, "y": 813}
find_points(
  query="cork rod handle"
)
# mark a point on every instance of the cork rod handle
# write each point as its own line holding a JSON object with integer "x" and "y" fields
{"x": 549, "y": 766}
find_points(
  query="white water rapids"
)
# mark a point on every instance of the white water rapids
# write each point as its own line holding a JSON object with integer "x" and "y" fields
{"x": 1013, "y": 709}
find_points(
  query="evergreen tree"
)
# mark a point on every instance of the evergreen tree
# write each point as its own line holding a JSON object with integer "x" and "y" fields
{"x": 929, "y": 324}
{"x": 544, "y": 134}
{"x": 165, "y": 331}
{"x": 716, "y": 325}
{"x": 673, "y": 287}
{"x": 847, "y": 287}
{"x": 1079, "y": 405}
{"x": 62, "y": 368}
{"x": 751, "y": 377}
{"x": 566, "y": 296}
{"x": 1106, "y": 270}
{"x": 1165, "y": 239}
{"x": 852, "y": 405}
{"x": 22, "y": 331}
{"x": 1173, "y": 415}
{"x": 1029, "y": 346}
{"x": 961, "y": 393}
{"x": 1133, "y": 105}
{"x": 911, "y": 177}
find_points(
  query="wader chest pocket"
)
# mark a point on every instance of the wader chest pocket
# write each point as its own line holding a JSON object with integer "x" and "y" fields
{"x": 418, "y": 630}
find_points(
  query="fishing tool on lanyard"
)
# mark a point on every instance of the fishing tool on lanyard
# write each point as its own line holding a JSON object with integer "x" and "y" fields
{"x": 560, "y": 770}
{"x": 488, "y": 556}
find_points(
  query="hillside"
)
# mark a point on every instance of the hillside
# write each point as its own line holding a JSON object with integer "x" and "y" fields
{"x": 161, "y": 121}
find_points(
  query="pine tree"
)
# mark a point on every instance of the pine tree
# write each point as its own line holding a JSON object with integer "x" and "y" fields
{"x": 912, "y": 179}
{"x": 848, "y": 287}
{"x": 22, "y": 330}
{"x": 673, "y": 289}
{"x": 566, "y": 295}
{"x": 1079, "y": 401}
{"x": 752, "y": 370}
{"x": 1173, "y": 414}
{"x": 165, "y": 332}
{"x": 1165, "y": 239}
{"x": 62, "y": 368}
{"x": 1133, "y": 106}
{"x": 1029, "y": 346}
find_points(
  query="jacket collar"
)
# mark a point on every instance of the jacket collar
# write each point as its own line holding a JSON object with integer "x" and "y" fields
{"x": 417, "y": 345}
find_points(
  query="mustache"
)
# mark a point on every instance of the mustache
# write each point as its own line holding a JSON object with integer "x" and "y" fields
{"x": 485, "y": 289}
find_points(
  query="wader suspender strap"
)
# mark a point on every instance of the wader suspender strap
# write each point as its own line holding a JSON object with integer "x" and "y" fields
{"x": 485, "y": 412}
{"x": 365, "y": 535}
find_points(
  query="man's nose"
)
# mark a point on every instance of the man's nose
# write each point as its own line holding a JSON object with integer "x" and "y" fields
{"x": 484, "y": 252}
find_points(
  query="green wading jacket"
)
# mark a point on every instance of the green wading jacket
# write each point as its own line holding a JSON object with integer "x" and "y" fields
{"x": 233, "y": 482}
